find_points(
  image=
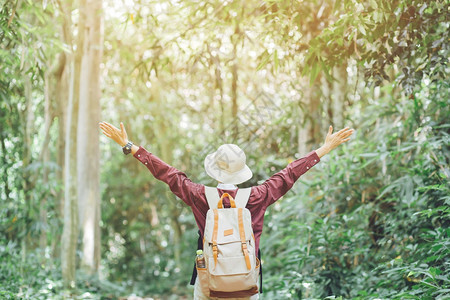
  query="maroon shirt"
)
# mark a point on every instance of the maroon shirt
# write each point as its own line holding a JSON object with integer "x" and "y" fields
{"x": 261, "y": 196}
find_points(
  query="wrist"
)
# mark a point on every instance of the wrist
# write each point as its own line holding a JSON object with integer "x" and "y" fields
{"x": 123, "y": 143}
{"x": 323, "y": 151}
{"x": 134, "y": 149}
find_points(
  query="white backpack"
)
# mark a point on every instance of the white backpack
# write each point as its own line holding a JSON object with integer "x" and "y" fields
{"x": 232, "y": 267}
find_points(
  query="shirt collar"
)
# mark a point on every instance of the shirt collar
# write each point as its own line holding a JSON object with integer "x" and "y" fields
{"x": 226, "y": 186}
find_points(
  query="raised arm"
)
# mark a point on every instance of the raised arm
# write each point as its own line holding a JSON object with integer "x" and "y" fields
{"x": 280, "y": 183}
{"x": 177, "y": 181}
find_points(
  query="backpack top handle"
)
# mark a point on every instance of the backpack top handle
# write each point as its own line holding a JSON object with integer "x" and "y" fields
{"x": 232, "y": 202}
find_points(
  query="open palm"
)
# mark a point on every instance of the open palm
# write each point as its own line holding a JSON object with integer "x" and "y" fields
{"x": 335, "y": 139}
{"x": 120, "y": 136}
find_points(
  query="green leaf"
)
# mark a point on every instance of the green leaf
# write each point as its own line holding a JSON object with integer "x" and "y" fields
{"x": 362, "y": 29}
{"x": 275, "y": 58}
{"x": 264, "y": 61}
{"x": 315, "y": 69}
{"x": 337, "y": 5}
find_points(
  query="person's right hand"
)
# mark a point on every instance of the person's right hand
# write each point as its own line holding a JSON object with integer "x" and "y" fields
{"x": 119, "y": 136}
{"x": 334, "y": 139}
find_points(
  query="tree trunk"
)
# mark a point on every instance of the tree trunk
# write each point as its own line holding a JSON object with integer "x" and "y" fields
{"x": 314, "y": 115}
{"x": 70, "y": 229}
{"x": 338, "y": 96}
{"x": 327, "y": 105}
{"x": 62, "y": 102}
{"x": 69, "y": 82}
{"x": 60, "y": 94}
{"x": 234, "y": 95}
{"x": 26, "y": 160}
{"x": 45, "y": 158}
{"x": 88, "y": 157}
{"x": 218, "y": 86}
{"x": 29, "y": 120}
{"x": 304, "y": 128}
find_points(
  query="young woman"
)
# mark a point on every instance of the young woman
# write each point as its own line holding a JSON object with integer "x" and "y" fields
{"x": 228, "y": 166}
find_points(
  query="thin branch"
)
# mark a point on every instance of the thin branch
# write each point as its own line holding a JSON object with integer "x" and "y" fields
{"x": 13, "y": 13}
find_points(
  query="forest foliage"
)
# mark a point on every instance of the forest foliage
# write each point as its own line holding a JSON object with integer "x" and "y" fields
{"x": 370, "y": 221}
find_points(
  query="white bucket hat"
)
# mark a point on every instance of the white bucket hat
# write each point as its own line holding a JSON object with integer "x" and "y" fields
{"x": 227, "y": 165}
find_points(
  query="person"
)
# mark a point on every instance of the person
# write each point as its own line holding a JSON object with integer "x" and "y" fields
{"x": 228, "y": 166}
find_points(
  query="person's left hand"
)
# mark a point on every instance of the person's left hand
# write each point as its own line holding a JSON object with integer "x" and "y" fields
{"x": 120, "y": 136}
{"x": 335, "y": 139}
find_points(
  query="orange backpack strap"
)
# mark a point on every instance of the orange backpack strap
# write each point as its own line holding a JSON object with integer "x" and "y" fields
{"x": 243, "y": 241}
{"x": 214, "y": 237}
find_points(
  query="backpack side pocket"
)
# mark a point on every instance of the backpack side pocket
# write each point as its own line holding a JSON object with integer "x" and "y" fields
{"x": 203, "y": 278}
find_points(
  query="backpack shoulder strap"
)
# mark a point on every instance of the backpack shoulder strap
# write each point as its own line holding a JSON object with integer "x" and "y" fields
{"x": 242, "y": 197}
{"x": 212, "y": 196}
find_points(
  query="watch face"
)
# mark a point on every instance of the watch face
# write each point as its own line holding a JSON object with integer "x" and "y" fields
{"x": 127, "y": 148}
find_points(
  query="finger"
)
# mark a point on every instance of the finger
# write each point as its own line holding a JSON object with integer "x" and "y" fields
{"x": 343, "y": 141}
{"x": 105, "y": 128}
{"x": 111, "y": 127}
{"x": 107, "y": 124}
{"x": 330, "y": 130}
{"x": 348, "y": 133}
{"x": 123, "y": 129}
{"x": 343, "y": 131}
{"x": 108, "y": 135}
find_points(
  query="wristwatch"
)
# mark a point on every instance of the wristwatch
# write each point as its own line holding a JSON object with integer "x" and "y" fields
{"x": 127, "y": 148}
